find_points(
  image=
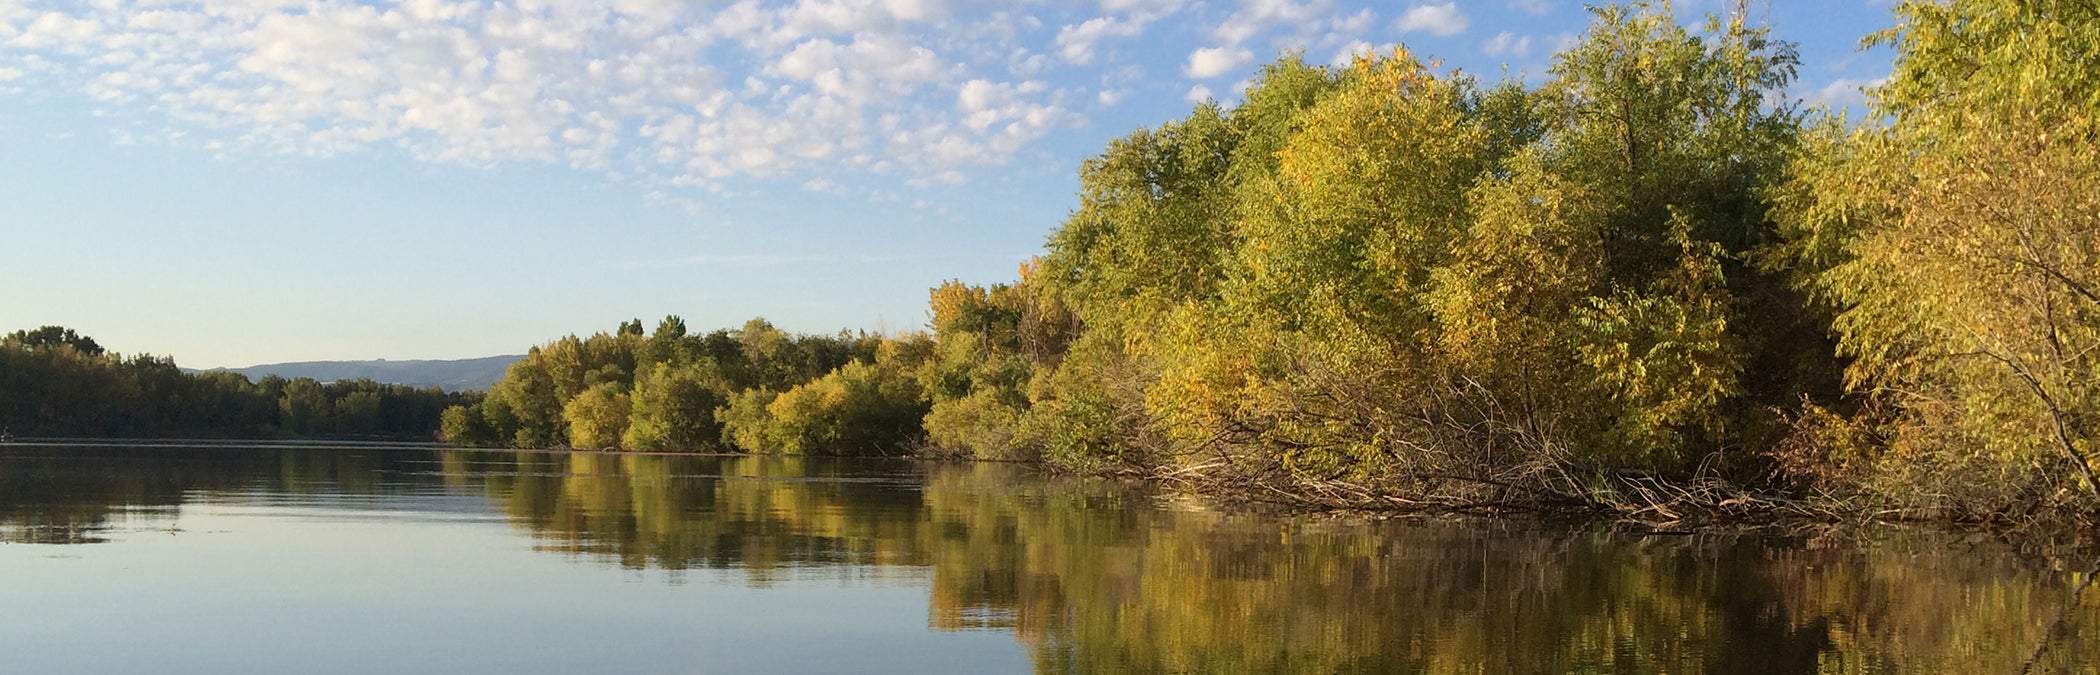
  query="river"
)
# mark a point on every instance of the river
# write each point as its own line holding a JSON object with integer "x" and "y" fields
{"x": 376, "y": 560}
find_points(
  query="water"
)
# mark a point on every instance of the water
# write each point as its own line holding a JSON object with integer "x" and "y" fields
{"x": 216, "y": 560}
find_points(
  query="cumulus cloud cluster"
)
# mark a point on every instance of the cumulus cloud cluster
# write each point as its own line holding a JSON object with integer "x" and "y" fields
{"x": 668, "y": 91}
{"x": 658, "y": 87}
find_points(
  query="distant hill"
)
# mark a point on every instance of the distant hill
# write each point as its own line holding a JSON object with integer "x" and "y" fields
{"x": 459, "y": 375}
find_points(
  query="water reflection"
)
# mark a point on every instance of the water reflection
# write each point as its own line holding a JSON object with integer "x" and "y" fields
{"x": 1096, "y": 577}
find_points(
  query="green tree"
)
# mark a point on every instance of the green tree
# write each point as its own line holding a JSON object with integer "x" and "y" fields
{"x": 1955, "y": 234}
{"x": 860, "y": 409}
{"x": 466, "y": 427}
{"x": 598, "y": 417}
{"x": 52, "y": 336}
{"x": 524, "y": 408}
{"x": 674, "y": 409}
{"x": 358, "y": 412}
{"x": 304, "y": 407}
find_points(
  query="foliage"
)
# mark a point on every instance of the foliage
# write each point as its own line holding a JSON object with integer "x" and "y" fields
{"x": 662, "y": 390}
{"x": 52, "y": 336}
{"x": 989, "y": 350}
{"x": 598, "y": 416}
{"x": 674, "y": 409}
{"x": 465, "y": 427}
{"x": 1388, "y": 281}
{"x": 859, "y": 409}
{"x": 746, "y": 419}
{"x": 1378, "y": 270}
{"x": 1957, "y": 238}
{"x": 1092, "y": 577}
{"x": 56, "y": 382}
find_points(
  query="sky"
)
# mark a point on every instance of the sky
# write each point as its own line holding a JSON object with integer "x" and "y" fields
{"x": 234, "y": 182}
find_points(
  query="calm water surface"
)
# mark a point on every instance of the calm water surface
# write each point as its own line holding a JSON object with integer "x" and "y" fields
{"x": 216, "y": 560}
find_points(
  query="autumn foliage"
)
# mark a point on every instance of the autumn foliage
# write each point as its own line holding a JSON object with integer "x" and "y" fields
{"x": 1650, "y": 283}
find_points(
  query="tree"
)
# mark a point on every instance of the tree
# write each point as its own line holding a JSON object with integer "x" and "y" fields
{"x": 673, "y": 408}
{"x": 304, "y": 407}
{"x": 598, "y": 417}
{"x": 52, "y": 336}
{"x": 525, "y": 407}
{"x": 466, "y": 427}
{"x": 357, "y": 412}
{"x": 1335, "y": 237}
{"x": 1957, "y": 235}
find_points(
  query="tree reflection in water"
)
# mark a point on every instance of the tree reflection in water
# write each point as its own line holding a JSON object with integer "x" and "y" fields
{"x": 1098, "y": 577}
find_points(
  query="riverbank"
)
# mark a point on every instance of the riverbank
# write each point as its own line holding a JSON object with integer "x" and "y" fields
{"x": 1638, "y": 500}
{"x": 75, "y": 442}
{"x": 1630, "y": 502}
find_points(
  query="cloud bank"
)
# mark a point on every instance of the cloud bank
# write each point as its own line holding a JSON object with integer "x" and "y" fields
{"x": 664, "y": 92}
{"x": 651, "y": 87}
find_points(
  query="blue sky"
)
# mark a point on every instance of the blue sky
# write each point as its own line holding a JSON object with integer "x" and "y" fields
{"x": 235, "y": 182}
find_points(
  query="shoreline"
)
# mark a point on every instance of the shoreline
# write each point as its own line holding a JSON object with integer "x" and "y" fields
{"x": 90, "y": 442}
{"x": 1775, "y": 514}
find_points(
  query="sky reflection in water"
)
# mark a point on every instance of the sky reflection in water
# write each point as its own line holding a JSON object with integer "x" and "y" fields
{"x": 291, "y": 560}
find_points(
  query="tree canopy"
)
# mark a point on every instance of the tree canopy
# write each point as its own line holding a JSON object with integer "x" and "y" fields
{"x": 1380, "y": 282}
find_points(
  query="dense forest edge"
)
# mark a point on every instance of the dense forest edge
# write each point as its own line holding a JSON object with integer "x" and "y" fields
{"x": 55, "y": 382}
{"x": 1652, "y": 285}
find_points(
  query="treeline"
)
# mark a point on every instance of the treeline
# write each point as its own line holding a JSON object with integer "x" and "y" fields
{"x": 756, "y": 388}
{"x": 55, "y": 382}
{"x": 1651, "y": 283}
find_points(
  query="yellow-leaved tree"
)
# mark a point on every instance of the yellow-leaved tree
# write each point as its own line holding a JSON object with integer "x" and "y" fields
{"x": 1957, "y": 234}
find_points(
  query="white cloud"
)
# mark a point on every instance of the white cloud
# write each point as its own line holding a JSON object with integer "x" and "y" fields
{"x": 1129, "y": 5}
{"x": 1532, "y": 7}
{"x": 1210, "y": 62}
{"x": 662, "y": 91}
{"x": 1199, "y": 94}
{"x": 1355, "y": 24}
{"x": 871, "y": 65}
{"x": 916, "y": 10}
{"x": 1844, "y": 93}
{"x": 1359, "y": 48}
{"x": 1508, "y": 44}
{"x": 809, "y": 59}
{"x": 847, "y": 17}
{"x": 1444, "y": 19}
{"x": 1022, "y": 63}
{"x": 1076, "y": 42}
{"x": 1255, "y": 17}
{"x": 52, "y": 29}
